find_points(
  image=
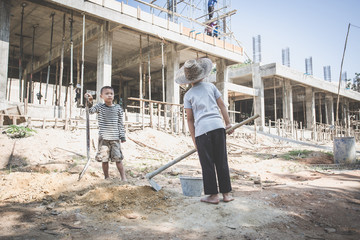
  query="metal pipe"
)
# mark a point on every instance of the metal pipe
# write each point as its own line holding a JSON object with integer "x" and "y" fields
{"x": 51, "y": 39}
{"x": 82, "y": 62}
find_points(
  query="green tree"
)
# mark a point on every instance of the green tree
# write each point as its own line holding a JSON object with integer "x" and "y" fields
{"x": 356, "y": 82}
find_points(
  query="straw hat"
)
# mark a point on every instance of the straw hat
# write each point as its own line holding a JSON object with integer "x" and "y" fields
{"x": 193, "y": 70}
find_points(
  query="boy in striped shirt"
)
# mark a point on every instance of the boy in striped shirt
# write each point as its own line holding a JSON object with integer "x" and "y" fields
{"x": 111, "y": 131}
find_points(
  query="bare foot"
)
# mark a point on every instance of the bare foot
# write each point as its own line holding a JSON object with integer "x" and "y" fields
{"x": 213, "y": 199}
{"x": 124, "y": 179}
{"x": 227, "y": 197}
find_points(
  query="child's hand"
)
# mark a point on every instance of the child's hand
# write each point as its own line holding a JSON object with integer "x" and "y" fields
{"x": 228, "y": 127}
{"x": 88, "y": 96}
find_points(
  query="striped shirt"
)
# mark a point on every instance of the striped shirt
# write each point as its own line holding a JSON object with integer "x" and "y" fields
{"x": 110, "y": 120}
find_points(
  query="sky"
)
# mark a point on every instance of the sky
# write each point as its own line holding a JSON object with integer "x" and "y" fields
{"x": 309, "y": 28}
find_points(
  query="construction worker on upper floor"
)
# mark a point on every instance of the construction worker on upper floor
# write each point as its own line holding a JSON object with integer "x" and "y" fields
{"x": 211, "y": 4}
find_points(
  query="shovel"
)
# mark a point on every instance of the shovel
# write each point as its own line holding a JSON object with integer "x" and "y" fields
{"x": 87, "y": 140}
{"x": 149, "y": 176}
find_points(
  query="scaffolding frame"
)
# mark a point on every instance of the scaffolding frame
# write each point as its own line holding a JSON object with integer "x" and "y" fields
{"x": 195, "y": 14}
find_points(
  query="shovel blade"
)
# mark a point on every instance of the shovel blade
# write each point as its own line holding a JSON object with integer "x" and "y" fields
{"x": 154, "y": 185}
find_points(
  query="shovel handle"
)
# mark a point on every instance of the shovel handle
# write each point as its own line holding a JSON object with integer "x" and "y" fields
{"x": 178, "y": 159}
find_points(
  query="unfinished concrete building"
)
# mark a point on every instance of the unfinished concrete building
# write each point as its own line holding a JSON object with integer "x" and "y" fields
{"x": 95, "y": 43}
{"x": 53, "y": 51}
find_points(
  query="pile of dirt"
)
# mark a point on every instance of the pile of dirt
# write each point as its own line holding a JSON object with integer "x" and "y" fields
{"x": 124, "y": 201}
{"x": 162, "y": 141}
{"x": 318, "y": 158}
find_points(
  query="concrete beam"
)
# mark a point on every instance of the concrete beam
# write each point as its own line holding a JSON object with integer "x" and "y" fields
{"x": 121, "y": 13}
{"x": 306, "y": 80}
{"x": 240, "y": 72}
{"x": 134, "y": 58}
{"x": 242, "y": 89}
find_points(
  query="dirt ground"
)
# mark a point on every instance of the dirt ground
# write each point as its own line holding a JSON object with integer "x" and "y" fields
{"x": 278, "y": 195}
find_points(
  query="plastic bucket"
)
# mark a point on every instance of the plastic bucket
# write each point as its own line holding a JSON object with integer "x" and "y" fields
{"x": 191, "y": 186}
{"x": 344, "y": 150}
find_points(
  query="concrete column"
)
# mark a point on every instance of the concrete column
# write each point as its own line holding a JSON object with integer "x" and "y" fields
{"x": 347, "y": 116}
{"x": 222, "y": 79}
{"x": 259, "y": 104}
{"x": 310, "y": 107}
{"x": 232, "y": 108}
{"x": 172, "y": 66}
{"x": 4, "y": 46}
{"x": 126, "y": 93}
{"x": 288, "y": 101}
{"x": 329, "y": 109}
{"x": 104, "y": 58}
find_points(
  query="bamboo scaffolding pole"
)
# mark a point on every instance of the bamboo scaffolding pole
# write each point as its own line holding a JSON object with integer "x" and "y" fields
{"x": 159, "y": 114}
{"x": 71, "y": 65}
{"x": 342, "y": 62}
{"x": 55, "y": 89}
{"x": 82, "y": 61}
{"x": 23, "y": 5}
{"x": 275, "y": 109}
{"x": 40, "y": 96}
{"x": 163, "y": 72}
{"x": 62, "y": 62}
{"x": 149, "y": 69}
{"x": 50, "y": 55}
{"x": 31, "y": 100}
{"x": 78, "y": 67}
{"x": 140, "y": 70}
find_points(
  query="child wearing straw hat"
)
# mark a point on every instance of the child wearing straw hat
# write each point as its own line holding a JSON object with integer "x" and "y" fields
{"x": 202, "y": 103}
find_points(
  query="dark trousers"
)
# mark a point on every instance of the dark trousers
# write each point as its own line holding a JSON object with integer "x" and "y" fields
{"x": 210, "y": 9}
{"x": 212, "y": 152}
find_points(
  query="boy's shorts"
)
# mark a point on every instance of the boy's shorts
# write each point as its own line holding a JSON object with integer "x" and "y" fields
{"x": 109, "y": 150}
